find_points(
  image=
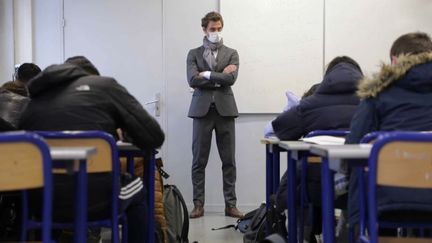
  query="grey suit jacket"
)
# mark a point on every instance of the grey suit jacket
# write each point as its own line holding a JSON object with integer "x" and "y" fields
{"x": 206, "y": 91}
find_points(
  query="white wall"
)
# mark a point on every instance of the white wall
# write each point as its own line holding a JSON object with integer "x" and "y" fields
{"x": 23, "y": 31}
{"x": 6, "y": 41}
{"x": 47, "y": 32}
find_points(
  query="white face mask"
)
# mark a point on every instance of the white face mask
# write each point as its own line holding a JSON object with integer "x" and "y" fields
{"x": 214, "y": 37}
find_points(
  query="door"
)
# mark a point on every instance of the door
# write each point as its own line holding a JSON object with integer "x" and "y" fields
{"x": 123, "y": 38}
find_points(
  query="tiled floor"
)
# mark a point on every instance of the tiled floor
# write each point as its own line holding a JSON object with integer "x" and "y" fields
{"x": 200, "y": 229}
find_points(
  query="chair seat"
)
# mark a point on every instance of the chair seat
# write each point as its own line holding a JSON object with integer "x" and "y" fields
{"x": 403, "y": 240}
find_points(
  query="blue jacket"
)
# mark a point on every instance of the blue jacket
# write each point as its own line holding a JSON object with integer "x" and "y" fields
{"x": 331, "y": 107}
{"x": 398, "y": 98}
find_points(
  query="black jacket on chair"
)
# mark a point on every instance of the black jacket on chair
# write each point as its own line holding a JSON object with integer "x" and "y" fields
{"x": 65, "y": 97}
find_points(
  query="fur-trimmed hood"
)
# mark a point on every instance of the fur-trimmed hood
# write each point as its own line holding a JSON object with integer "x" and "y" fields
{"x": 409, "y": 71}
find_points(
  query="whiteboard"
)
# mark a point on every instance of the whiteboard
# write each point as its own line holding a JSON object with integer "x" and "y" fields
{"x": 280, "y": 44}
{"x": 366, "y": 29}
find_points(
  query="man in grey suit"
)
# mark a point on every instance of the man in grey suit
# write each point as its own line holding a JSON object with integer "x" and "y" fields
{"x": 211, "y": 71}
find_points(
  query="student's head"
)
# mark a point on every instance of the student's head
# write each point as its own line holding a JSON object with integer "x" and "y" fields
{"x": 342, "y": 59}
{"x": 411, "y": 43}
{"x": 212, "y": 25}
{"x": 16, "y": 87}
{"x": 311, "y": 91}
{"x": 83, "y": 63}
{"x": 25, "y": 72}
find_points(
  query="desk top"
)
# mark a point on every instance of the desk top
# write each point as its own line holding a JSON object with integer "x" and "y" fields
{"x": 71, "y": 153}
{"x": 295, "y": 145}
{"x": 348, "y": 151}
{"x": 122, "y": 146}
{"x": 270, "y": 140}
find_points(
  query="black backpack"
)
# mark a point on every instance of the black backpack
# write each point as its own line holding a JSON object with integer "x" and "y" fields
{"x": 265, "y": 221}
{"x": 255, "y": 231}
{"x": 176, "y": 215}
{"x": 244, "y": 223}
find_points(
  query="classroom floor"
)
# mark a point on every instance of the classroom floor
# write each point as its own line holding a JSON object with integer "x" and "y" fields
{"x": 200, "y": 229}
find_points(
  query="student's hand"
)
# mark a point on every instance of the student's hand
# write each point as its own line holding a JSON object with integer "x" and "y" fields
{"x": 120, "y": 134}
{"x": 230, "y": 69}
{"x": 292, "y": 100}
{"x": 201, "y": 74}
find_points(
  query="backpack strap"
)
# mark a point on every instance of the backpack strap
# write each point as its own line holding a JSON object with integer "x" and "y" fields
{"x": 226, "y": 227}
{"x": 185, "y": 230}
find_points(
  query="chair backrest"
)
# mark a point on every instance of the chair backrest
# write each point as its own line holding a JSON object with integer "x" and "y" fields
{"x": 403, "y": 160}
{"x": 398, "y": 159}
{"x": 25, "y": 161}
{"x": 106, "y": 150}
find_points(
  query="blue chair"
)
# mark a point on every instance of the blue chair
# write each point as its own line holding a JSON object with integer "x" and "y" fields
{"x": 402, "y": 153}
{"x": 105, "y": 160}
{"x": 306, "y": 160}
{"x": 25, "y": 163}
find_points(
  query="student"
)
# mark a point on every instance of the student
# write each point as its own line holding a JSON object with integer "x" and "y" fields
{"x": 25, "y": 72}
{"x": 399, "y": 97}
{"x": 330, "y": 107}
{"x": 68, "y": 97}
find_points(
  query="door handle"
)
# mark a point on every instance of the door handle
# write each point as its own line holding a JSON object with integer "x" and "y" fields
{"x": 156, "y": 102}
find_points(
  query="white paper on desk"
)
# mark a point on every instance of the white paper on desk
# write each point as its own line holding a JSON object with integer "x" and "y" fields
{"x": 324, "y": 140}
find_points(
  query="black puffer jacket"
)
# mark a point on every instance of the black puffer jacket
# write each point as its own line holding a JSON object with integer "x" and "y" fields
{"x": 64, "y": 97}
{"x": 331, "y": 107}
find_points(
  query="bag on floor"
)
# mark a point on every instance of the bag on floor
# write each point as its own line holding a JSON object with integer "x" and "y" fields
{"x": 242, "y": 224}
{"x": 256, "y": 230}
{"x": 176, "y": 215}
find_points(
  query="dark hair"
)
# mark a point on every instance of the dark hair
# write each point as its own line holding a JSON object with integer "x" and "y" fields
{"x": 27, "y": 71}
{"x": 83, "y": 63}
{"x": 16, "y": 88}
{"x": 311, "y": 91}
{"x": 342, "y": 59}
{"x": 212, "y": 16}
{"x": 411, "y": 43}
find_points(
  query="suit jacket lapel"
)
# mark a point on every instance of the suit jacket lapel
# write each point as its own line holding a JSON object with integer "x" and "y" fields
{"x": 201, "y": 59}
{"x": 220, "y": 58}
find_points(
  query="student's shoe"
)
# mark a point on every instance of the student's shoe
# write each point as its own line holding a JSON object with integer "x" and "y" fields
{"x": 233, "y": 212}
{"x": 197, "y": 212}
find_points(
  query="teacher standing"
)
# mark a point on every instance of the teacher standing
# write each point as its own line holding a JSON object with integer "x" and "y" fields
{"x": 211, "y": 71}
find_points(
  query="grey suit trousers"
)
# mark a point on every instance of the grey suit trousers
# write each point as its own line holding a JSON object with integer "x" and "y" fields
{"x": 225, "y": 138}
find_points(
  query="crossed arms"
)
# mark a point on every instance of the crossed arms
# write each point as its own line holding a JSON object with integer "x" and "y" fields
{"x": 202, "y": 79}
